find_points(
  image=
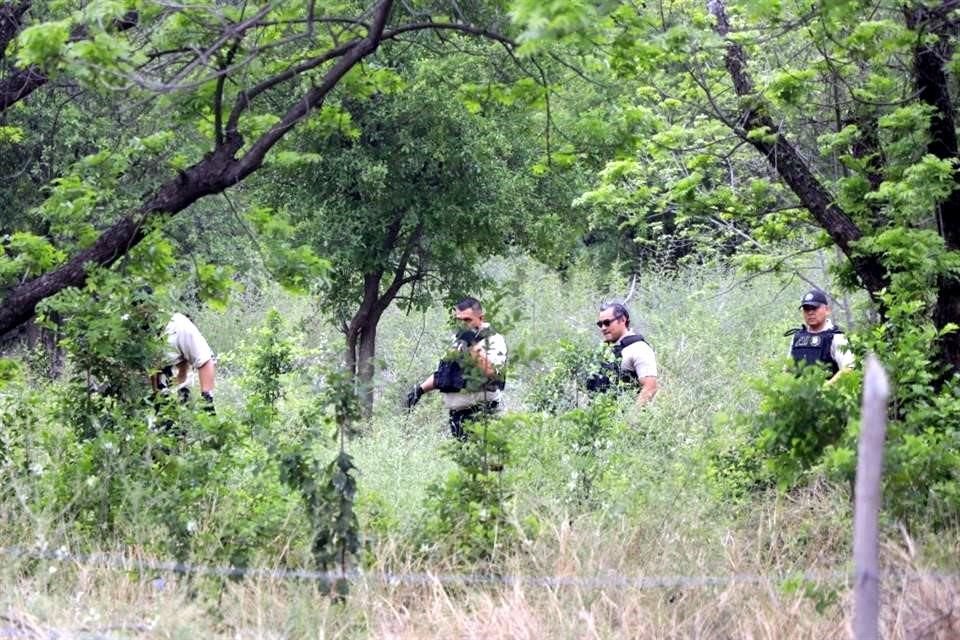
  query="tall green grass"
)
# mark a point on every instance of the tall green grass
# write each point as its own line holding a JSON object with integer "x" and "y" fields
{"x": 653, "y": 511}
{"x": 712, "y": 331}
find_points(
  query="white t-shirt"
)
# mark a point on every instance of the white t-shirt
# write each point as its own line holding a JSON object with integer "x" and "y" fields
{"x": 185, "y": 343}
{"x": 495, "y": 349}
{"x": 638, "y": 358}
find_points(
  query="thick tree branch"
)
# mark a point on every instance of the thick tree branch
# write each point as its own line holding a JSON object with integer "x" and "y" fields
{"x": 790, "y": 165}
{"x": 413, "y": 240}
{"x": 216, "y": 172}
{"x": 20, "y": 84}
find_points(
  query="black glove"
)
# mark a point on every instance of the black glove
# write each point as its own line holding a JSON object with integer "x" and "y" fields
{"x": 598, "y": 383}
{"x": 208, "y": 403}
{"x": 413, "y": 397}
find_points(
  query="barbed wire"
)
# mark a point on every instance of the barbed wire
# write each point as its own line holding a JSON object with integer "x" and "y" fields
{"x": 610, "y": 580}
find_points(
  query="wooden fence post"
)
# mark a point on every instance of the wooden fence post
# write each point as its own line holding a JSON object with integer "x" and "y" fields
{"x": 866, "y": 510}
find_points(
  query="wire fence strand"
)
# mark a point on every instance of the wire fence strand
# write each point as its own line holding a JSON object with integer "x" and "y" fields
{"x": 611, "y": 580}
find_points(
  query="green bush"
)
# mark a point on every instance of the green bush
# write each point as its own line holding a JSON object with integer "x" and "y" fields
{"x": 803, "y": 426}
{"x": 468, "y": 513}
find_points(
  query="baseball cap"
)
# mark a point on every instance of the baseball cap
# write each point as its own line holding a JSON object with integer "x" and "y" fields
{"x": 814, "y": 298}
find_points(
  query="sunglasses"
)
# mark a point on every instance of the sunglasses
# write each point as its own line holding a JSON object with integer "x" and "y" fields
{"x": 606, "y": 323}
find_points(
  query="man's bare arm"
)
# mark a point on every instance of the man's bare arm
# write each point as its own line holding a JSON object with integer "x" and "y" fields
{"x": 647, "y": 390}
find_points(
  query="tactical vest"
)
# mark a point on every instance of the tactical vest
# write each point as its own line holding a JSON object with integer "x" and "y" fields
{"x": 813, "y": 347}
{"x": 601, "y": 381}
{"x": 451, "y": 378}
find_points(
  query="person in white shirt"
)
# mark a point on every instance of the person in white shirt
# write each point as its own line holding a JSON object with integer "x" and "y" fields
{"x": 186, "y": 348}
{"x": 635, "y": 363}
{"x": 818, "y": 340}
{"x": 470, "y": 378}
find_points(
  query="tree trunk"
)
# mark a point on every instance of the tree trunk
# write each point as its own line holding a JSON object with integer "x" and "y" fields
{"x": 360, "y": 354}
{"x": 366, "y": 366}
{"x": 350, "y": 354}
{"x": 361, "y": 341}
{"x": 933, "y": 88}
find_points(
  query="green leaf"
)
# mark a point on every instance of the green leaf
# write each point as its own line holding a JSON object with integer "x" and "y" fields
{"x": 41, "y": 44}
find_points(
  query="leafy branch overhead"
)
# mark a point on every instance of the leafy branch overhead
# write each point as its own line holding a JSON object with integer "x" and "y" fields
{"x": 239, "y": 79}
{"x": 829, "y": 124}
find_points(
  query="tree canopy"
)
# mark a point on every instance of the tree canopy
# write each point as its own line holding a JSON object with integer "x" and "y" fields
{"x": 235, "y": 79}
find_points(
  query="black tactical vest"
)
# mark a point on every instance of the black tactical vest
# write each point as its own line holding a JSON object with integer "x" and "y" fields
{"x": 612, "y": 370}
{"x": 813, "y": 347}
{"x": 450, "y": 377}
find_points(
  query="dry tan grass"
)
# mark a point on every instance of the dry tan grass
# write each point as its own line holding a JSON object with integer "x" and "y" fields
{"x": 792, "y": 535}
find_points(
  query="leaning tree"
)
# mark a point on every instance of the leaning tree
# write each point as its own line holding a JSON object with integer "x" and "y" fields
{"x": 225, "y": 85}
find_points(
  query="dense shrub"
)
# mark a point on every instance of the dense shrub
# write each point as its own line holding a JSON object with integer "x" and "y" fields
{"x": 469, "y": 512}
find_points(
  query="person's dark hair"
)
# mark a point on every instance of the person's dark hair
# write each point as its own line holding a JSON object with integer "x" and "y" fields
{"x": 619, "y": 310}
{"x": 469, "y": 303}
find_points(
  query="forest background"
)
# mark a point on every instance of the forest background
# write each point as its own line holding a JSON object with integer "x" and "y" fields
{"x": 316, "y": 183}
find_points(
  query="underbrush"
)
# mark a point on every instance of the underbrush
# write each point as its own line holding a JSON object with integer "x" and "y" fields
{"x": 557, "y": 509}
{"x": 740, "y": 577}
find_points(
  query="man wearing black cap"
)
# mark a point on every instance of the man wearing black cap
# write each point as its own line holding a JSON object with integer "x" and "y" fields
{"x": 818, "y": 340}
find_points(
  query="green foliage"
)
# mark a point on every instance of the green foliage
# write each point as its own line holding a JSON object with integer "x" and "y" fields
{"x": 295, "y": 266}
{"x": 215, "y": 284}
{"x": 823, "y": 596}
{"x": 39, "y": 43}
{"x": 328, "y": 493}
{"x": 798, "y": 418}
{"x": 24, "y": 256}
{"x": 111, "y": 333}
{"x": 101, "y": 466}
{"x": 920, "y": 189}
{"x": 591, "y": 433}
{"x": 270, "y": 358}
{"x": 468, "y": 512}
{"x": 10, "y": 135}
{"x": 555, "y": 18}
{"x": 582, "y": 458}
{"x": 562, "y": 385}
{"x": 10, "y": 371}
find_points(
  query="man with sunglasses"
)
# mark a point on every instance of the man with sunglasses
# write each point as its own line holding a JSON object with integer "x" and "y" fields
{"x": 470, "y": 377}
{"x": 817, "y": 340}
{"x": 635, "y": 363}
